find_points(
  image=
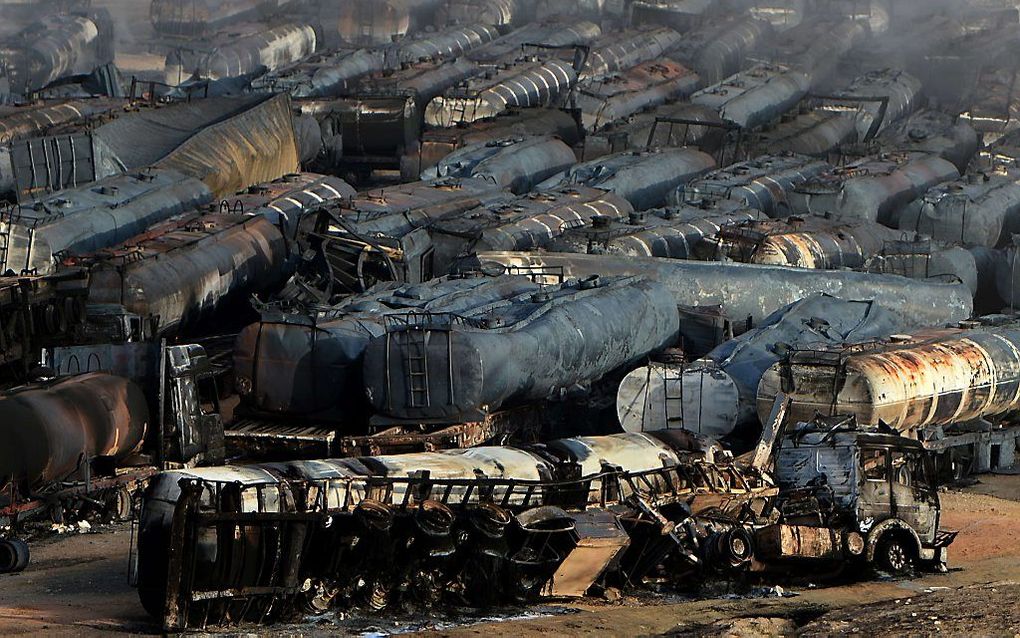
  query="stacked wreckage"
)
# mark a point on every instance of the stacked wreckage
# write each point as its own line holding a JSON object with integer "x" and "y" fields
{"x": 413, "y": 303}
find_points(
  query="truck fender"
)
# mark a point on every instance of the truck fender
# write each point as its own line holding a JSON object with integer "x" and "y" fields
{"x": 879, "y": 530}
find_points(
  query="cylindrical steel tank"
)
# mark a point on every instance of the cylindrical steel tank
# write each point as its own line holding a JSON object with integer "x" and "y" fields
{"x": 908, "y": 384}
{"x": 56, "y": 47}
{"x": 643, "y": 178}
{"x": 195, "y": 17}
{"x": 723, "y": 53}
{"x": 499, "y": 13}
{"x": 516, "y": 164}
{"x": 901, "y": 90}
{"x": 622, "y": 51}
{"x": 875, "y": 189}
{"x": 51, "y": 431}
{"x": 368, "y": 23}
{"x": 717, "y": 394}
{"x": 304, "y": 366}
{"x": 972, "y": 211}
{"x": 640, "y": 88}
{"x": 328, "y": 75}
{"x": 184, "y": 270}
{"x": 550, "y": 34}
{"x": 451, "y": 43}
{"x": 816, "y": 133}
{"x": 269, "y": 50}
{"x": 756, "y": 96}
{"x": 645, "y": 130}
{"x": 533, "y": 349}
{"x": 749, "y": 292}
{"x": 764, "y": 183}
{"x": 931, "y": 131}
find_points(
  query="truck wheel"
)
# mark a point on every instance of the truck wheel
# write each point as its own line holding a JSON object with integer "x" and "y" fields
{"x": 893, "y": 555}
{"x": 14, "y": 555}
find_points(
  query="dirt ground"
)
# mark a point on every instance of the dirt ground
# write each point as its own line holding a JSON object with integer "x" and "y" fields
{"x": 77, "y": 585}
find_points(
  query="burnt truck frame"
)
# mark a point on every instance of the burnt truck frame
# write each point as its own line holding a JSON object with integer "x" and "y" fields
{"x": 853, "y": 496}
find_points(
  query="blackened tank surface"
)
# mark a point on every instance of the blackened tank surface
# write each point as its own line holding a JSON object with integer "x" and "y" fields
{"x": 304, "y": 366}
{"x": 447, "y": 44}
{"x": 817, "y": 133}
{"x": 539, "y": 346}
{"x": 643, "y": 178}
{"x": 327, "y": 75}
{"x": 901, "y": 91}
{"x": 49, "y": 429}
{"x": 673, "y": 233}
{"x": 664, "y": 126}
{"x": 756, "y": 96}
{"x": 931, "y": 131}
{"x": 874, "y": 189}
{"x": 374, "y": 130}
{"x": 980, "y": 210}
{"x": 718, "y": 49}
{"x": 195, "y": 17}
{"x": 89, "y": 218}
{"x": 184, "y": 270}
{"x": 368, "y": 23}
{"x": 620, "y": 51}
{"x": 816, "y": 46}
{"x": 550, "y": 34}
{"x": 517, "y": 164}
{"x": 749, "y": 292}
{"x": 719, "y": 391}
{"x": 287, "y": 201}
{"x": 503, "y": 14}
{"x": 764, "y": 183}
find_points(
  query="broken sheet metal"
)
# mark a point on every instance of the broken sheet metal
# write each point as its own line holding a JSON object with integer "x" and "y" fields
{"x": 520, "y": 85}
{"x": 639, "y": 88}
{"x": 182, "y": 271}
{"x": 717, "y": 395}
{"x": 674, "y": 233}
{"x": 89, "y": 218}
{"x": 644, "y": 179}
{"x": 873, "y": 189}
{"x": 910, "y": 383}
{"x": 55, "y": 430}
{"x": 517, "y": 164}
{"x": 748, "y": 293}
{"x": 479, "y": 526}
{"x": 982, "y": 209}
{"x": 254, "y": 54}
{"x": 764, "y": 183}
{"x": 756, "y": 96}
{"x": 448, "y": 44}
{"x": 310, "y": 366}
{"x": 537, "y": 347}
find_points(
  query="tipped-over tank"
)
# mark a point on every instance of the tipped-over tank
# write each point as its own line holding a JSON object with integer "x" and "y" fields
{"x": 517, "y": 164}
{"x": 53, "y": 430}
{"x": 931, "y": 131}
{"x": 817, "y": 133}
{"x": 900, "y": 90}
{"x": 643, "y": 178}
{"x": 980, "y": 210}
{"x": 54, "y": 48}
{"x": 756, "y": 96}
{"x": 717, "y": 394}
{"x": 549, "y": 34}
{"x": 907, "y": 383}
{"x": 748, "y": 293}
{"x": 637, "y": 89}
{"x": 536, "y": 347}
{"x": 621, "y": 51}
{"x": 367, "y": 23}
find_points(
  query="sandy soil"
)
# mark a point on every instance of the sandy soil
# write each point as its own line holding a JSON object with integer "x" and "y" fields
{"x": 77, "y": 585}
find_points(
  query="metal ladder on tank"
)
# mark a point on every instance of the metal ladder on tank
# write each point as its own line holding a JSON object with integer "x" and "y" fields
{"x": 416, "y": 362}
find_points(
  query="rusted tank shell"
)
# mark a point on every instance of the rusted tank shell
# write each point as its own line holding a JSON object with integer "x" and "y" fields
{"x": 287, "y": 201}
{"x": 516, "y": 164}
{"x": 934, "y": 132}
{"x": 550, "y": 34}
{"x": 874, "y": 189}
{"x": 717, "y": 394}
{"x": 644, "y": 178}
{"x": 817, "y": 133}
{"x": 752, "y": 292}
{"x": 268, "y": 50}
{"x": 901, "y": 90}
{"x": 971, "y": 212}
{"x": 302, "y": 366}
{"x": 89, "y": 218}
{"x": 49, "y": 429}
{"x": 757, "y": 96}
{"x": 764, "y": 183}
{"x": 368, "y": 23}
{"x": 520, "y": 86}
{"x": 182, "y": 271}
{"x": 56, "y": 47}
{"x": 949, "y": 378}
{"x": 637, "y": 89}
{"x": 670, "y": 233}
{"x": 447, "y": 44}
{"x": 531, "y": 221}
{"x": 534, "y": 348}
{"x": 627, "y": 49}
{"x": 194, "y": 17}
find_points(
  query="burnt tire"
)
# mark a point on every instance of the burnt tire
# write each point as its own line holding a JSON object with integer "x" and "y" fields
{"x": 14, "y": 555}
{"x": 894, "y": 555}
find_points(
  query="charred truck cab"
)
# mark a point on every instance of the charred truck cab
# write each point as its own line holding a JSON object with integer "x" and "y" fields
{"x": 850, "y": 494}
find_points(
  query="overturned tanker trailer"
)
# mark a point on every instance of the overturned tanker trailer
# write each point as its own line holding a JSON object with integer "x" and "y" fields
{"x": 479, "y": 527}
{"x": 747, "y": 293}
{"x": 517, "y": 164}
